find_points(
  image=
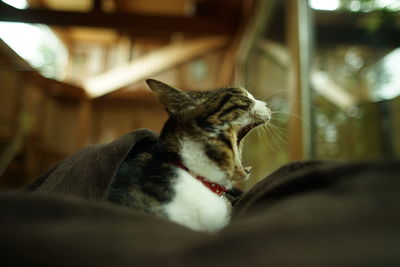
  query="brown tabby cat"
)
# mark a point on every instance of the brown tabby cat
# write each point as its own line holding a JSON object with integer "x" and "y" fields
{"x": 196, "y": 159}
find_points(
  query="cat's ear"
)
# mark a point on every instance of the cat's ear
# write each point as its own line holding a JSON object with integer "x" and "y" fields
{"x": 173, "y": 99}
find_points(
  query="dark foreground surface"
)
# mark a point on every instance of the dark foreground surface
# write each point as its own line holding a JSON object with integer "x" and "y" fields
{"x": 304, "y": 214}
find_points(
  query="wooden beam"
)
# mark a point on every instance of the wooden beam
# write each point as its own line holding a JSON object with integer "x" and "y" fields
{"x": 54, "y": 88}
{"x": 343, "y": 27}
{"x": 326, "y": 87}
{"x": 346, "y": 27}
{"x": 49, "y": 86}
{"x": 100, "y": 36}
{"x": 151, "y": 64}
{"x": 171, "y": 7}
{"x": 254, "y": 29}
{"x": 233, "y": 69}
{"x": 97, "y": 5}
{"x": 353, "y": 19}
{"x": 299, "y": 39}
{"x": 138, "y": 24}
{"x": 331, "y": 35}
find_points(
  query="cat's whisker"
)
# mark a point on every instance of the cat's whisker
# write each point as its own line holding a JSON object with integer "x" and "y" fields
{"x": 263, "y": 135}
{"x": 266, "y": 135}
{"x": 279, "y": 134}
{"x": 266, "y": 138}
{"x": 290, "y": 114}
{"x": 274, "y": 148}
{"x": 260, "y": 139}
{"x": 281, "y": 129}
{"x": 271, "y": 95}
{"x": 282, "y": 142}
{"x": 279, "y": 120}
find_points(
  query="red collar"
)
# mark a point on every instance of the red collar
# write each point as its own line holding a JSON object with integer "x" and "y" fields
{"x": 216, "y": 188}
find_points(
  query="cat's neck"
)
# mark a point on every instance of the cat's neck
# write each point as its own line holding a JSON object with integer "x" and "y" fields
{"x": 195, "y": 159}
{"x": 191, "y": 155}
{"x": 175, "y": 145}
{"x": 214, "y": 187}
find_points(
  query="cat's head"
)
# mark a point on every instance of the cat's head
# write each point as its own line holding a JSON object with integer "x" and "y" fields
{"x": 209, "y": 126}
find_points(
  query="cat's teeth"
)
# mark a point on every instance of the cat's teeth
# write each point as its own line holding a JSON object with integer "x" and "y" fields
{"x": 247, "y": 169}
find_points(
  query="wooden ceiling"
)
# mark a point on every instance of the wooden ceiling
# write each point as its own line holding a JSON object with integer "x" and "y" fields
{"x": 138, "y": 18}
{"x": 162, "y": 19}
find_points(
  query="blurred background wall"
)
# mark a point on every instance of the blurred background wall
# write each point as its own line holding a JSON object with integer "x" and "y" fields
{"x": 72, "y": 74}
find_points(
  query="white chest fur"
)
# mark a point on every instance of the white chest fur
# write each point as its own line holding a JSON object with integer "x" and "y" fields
{"x": 197, "y": 207}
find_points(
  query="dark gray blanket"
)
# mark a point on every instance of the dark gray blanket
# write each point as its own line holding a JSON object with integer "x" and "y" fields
{"x": 89, "y": 172}
{"x": 304, "y": 214}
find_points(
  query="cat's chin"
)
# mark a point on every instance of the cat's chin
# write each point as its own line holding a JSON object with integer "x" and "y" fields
{"x": 241, "y": 174}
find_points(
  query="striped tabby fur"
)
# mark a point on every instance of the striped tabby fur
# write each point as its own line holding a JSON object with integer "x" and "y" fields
{"x": 203, "y": 132}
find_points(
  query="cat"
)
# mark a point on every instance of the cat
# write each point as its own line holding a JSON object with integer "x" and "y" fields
{"x": 197, "y": 157}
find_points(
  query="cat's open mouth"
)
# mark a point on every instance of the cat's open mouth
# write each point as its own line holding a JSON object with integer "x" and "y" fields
{"x": 245, "y": 130}
{"x": 241, "y": 172}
